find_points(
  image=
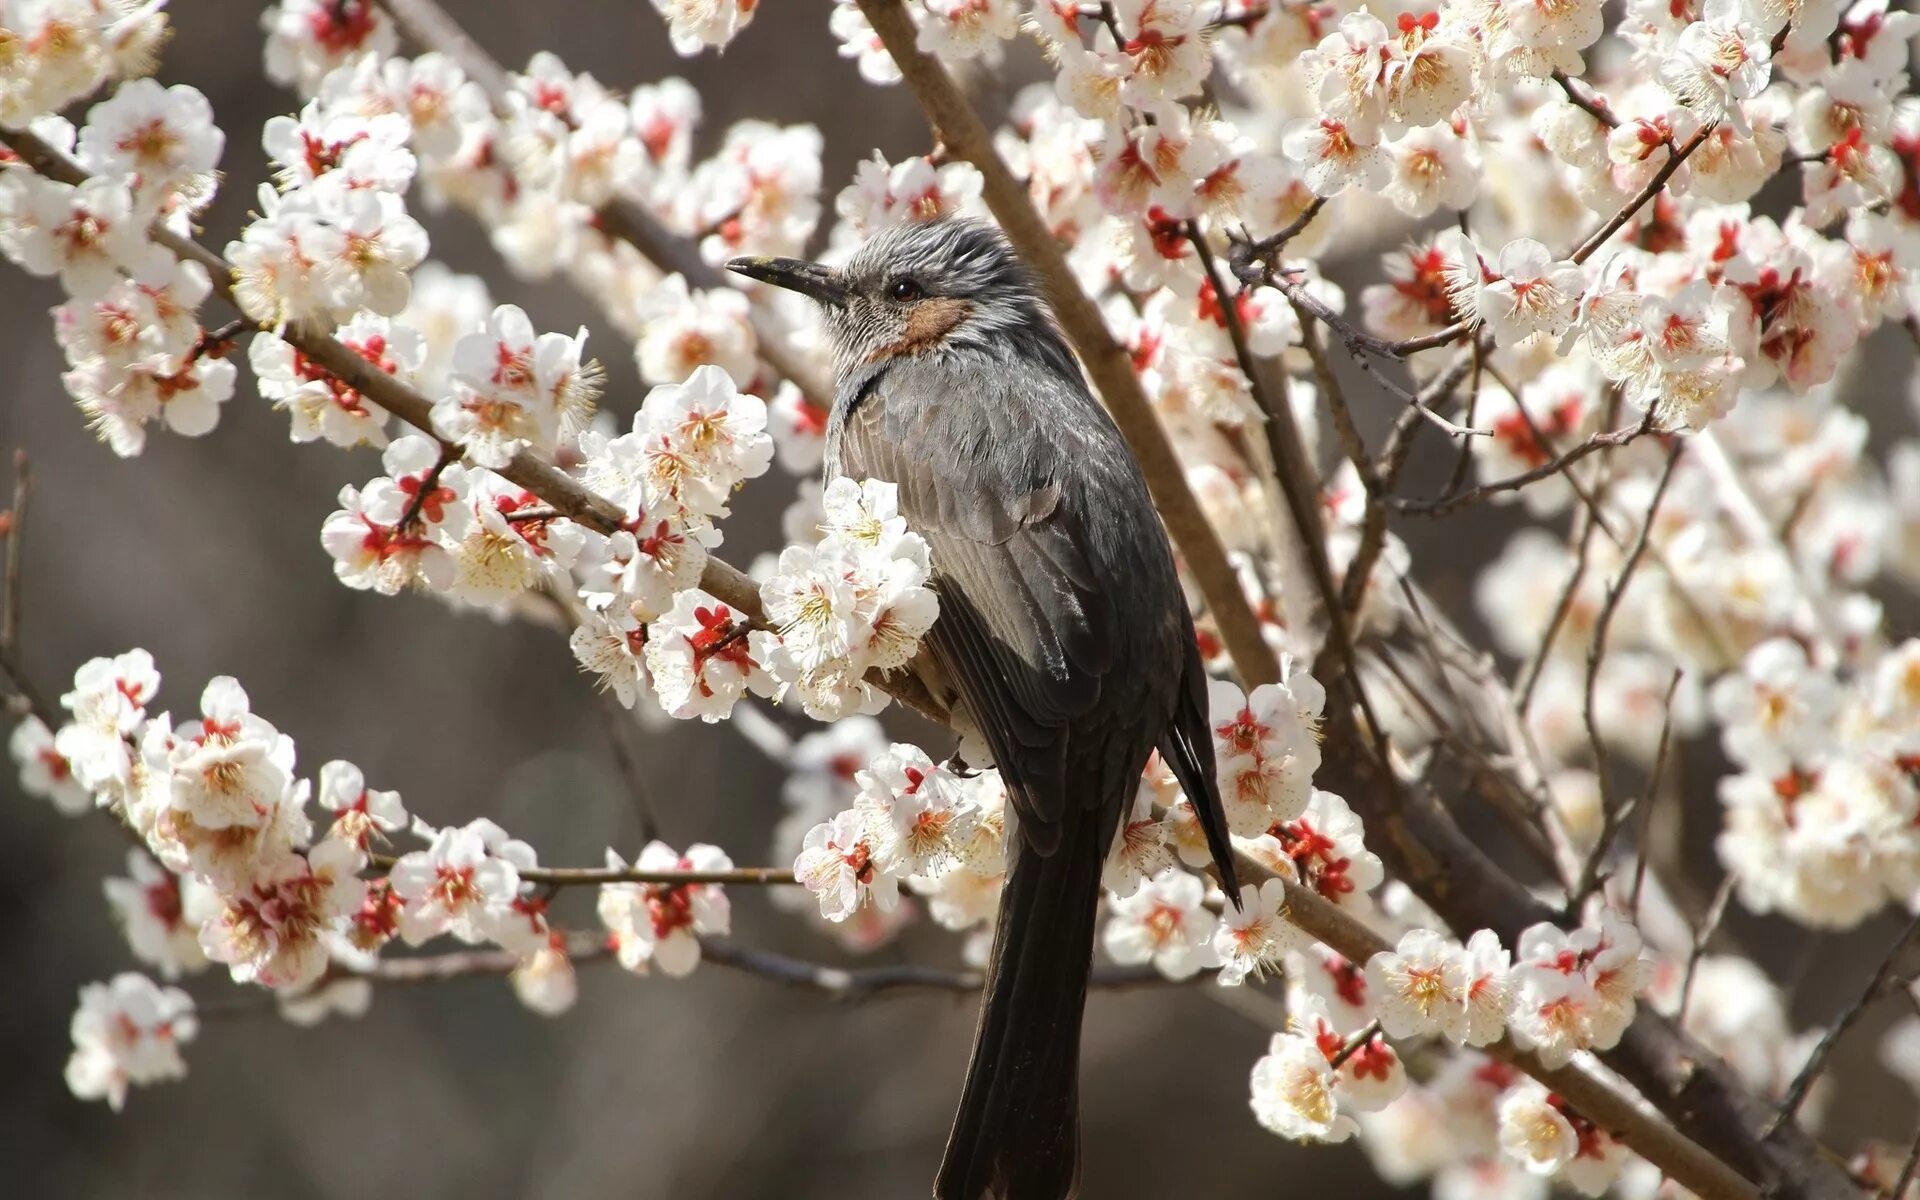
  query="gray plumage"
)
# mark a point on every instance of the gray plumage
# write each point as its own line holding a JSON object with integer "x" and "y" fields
{"x": 1062, "y": 632}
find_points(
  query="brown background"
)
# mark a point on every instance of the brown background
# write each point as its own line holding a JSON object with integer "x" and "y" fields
{"x": 206, "y": 552}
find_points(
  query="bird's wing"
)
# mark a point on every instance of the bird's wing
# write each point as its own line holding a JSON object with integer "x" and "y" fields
{"x": 1025, "y": 629}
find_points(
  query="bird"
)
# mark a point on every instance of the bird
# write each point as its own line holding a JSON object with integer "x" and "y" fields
{"x": 1063, "y": 636}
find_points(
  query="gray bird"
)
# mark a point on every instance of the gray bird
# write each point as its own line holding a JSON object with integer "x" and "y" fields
{"x": 1063, "y": 633}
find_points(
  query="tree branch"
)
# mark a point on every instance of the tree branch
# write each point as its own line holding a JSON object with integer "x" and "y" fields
{"x": 561, "y": 491}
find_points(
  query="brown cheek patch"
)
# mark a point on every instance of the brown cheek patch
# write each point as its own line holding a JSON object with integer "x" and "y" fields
{"x": 928, "y": 324}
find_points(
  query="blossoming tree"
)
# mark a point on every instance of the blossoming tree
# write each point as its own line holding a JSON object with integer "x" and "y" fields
{"x": 1620, "y": 261}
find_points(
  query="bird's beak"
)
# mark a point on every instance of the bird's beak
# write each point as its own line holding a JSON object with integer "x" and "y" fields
{"x": 812, "y": 279}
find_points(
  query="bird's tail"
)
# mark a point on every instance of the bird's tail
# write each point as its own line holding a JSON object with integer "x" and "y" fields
{"x": 1017, "y": 1134}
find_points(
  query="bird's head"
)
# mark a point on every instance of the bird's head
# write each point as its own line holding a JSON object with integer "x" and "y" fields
{"x": 914, "y": 289}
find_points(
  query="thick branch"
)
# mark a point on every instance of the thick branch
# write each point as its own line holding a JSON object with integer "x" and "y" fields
{"x": 965, "y": 136}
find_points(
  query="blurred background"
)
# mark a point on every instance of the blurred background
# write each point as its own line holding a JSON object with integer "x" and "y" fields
{"x": 206, "y": 552}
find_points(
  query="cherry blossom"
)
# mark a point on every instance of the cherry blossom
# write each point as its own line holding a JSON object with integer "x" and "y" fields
{"x": 128, "y": 1033}
{"x": 44, "y": 771}
{"x": 659, "y": 925}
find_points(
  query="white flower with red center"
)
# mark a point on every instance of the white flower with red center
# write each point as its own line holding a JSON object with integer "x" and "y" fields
{"x": 1165, "y": 51}
{"x": 456, "y": 885}
{"x": 230, "y": 767}
{"x": 274, "y": 932}
{"x": 1536, "y": 37}
{"x": 1597, "y": 1164}
{"x": 664, "y": 116}
{"x": 1266, "y": 749}
{"x": 643, "y": 566}
{"x": 859, "y": 42}
{"x": 694, "y": 25}
{"x": 1165, "y": 922}
{"x": 1487, "y": 988}
{"x": 912, "y": 189}
{"x": 1138, "y": 168}
{"x": 1881, "y": 258}
{"x": 513, "y": 390}
{"x": 721, "y": 429}
{"x": 1334, "y": 156}
{"x": 1140, "y": 851}
{"x": 1421, "y": 985}
{"x": 162, "y": 139}
{"x": 1416, "y": 299}
{"x": 161, "y": 913}
{"x": 306, "y": 39}
{"x": 1294, "y": 1092}
{"x": 120, "y": 405}
{"x": 1687, "y": 330}
{"x": 323, "y": 407}
{"x": 659, "y": 925}
{"x": 360, "y": 812}
{"x": 918, "y": 814}
{"x": 1528, "y": 292}
{"x": 1554, "y": 412}
{"x": 545, "y": 981}
{"x": 1430, "y": 69}
{"x": 371, "y": 553}
{"x": 227, "y": 856}
{"x": 759, "y": 195}
{"x": 838, "y": 865}
{"x": 514, "y": 542}
{"x": 441, "y": 104}
{"x": 1348, "y": 74}
{"x": 1433, "y": 167}
{"x": 1719, "y": 60}
{"x": 380, "y": 245}
{"x": 612, "y": 647}
{"x": 44, "y": 770}
{"x": 1551, "y": 1001}
{"x": 1855, "y": 175}
{"x": 151, "y": 322}
{"x": 799, "y": 428}
{"x": 1534, "y": 1132}
{"x": 1370, "y": 1075}
{"x": 128, "y": 1033}
{"x": 1614, "y": 965}
{"x": 421, "y": 499}
{"x": 1327, "y": 848}
{"x": 326, "y": 155}
{"x": 285, "y": 264}
{"x": 87, "y": 235}
{"x": 682, "y": 330}
{"x": 1778, "y": 713}
{"x": 1253, "y": 938}
{"x": 956, "y": 30}
{"x": 703, "y": 657}
{"x": 1340, "y": 985}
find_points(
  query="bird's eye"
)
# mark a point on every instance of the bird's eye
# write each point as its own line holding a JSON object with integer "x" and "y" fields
{"x": 904, "y": 290}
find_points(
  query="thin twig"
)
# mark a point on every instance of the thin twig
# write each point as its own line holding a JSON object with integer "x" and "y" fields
{"x": 1513, "y": 483}
{"x": 15, "y": 533}
{"x": 1353, "y": 1044}
{"x": 596, "y": 876}
{"x": 1654, "y": 781}
{"x": 1596, "y": 656}
{"x": 1654, "y": 187}
{"x": 1817, "y": 1061}
{"x": 1709, "y": 925}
